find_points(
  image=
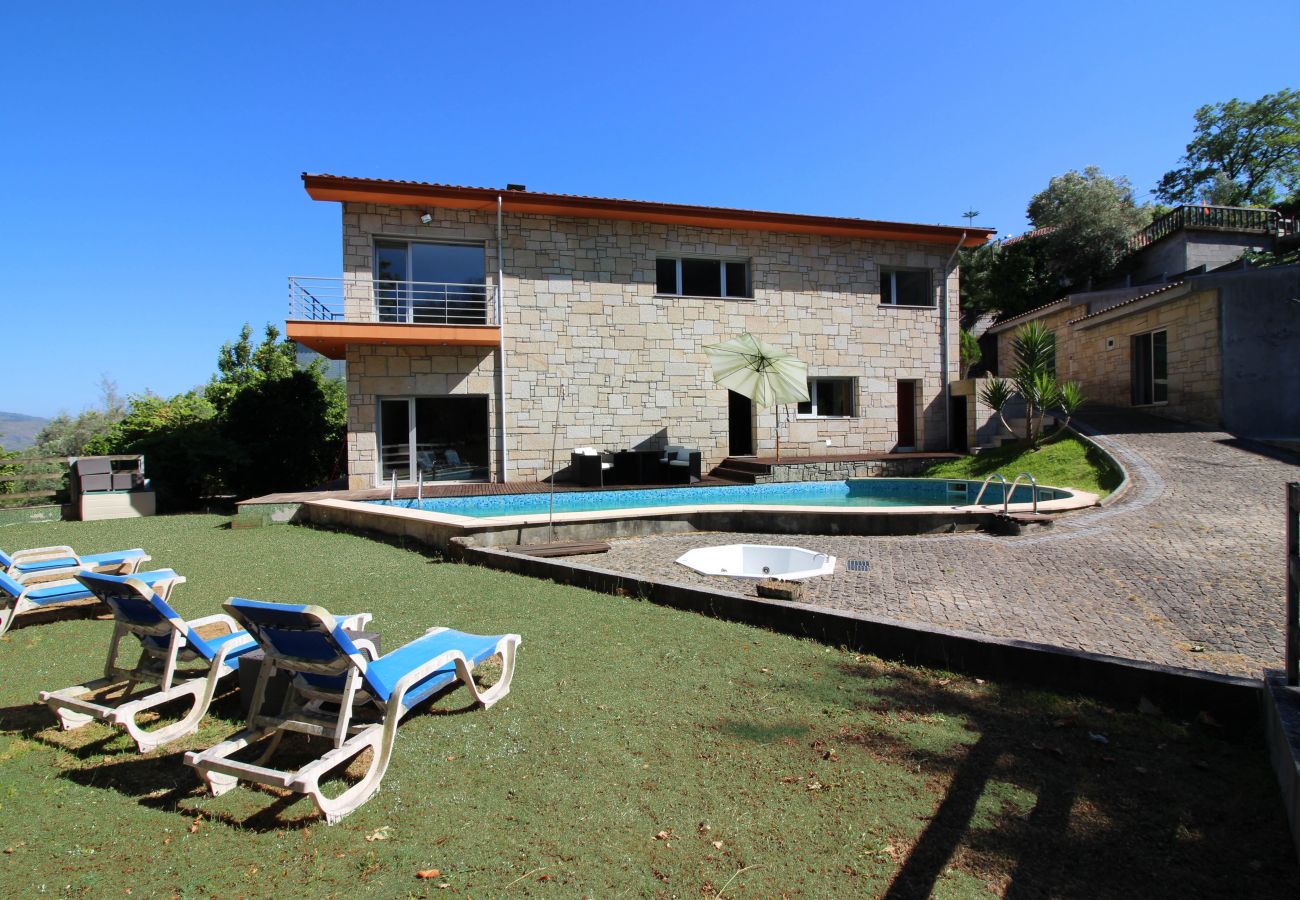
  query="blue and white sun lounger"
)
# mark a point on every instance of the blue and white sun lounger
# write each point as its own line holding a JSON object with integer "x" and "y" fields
{"x": 341, "y": 691}
{"x": 18, "y": 596}
{"x": 166, "y": 640}
{"x": 63, "y": 562}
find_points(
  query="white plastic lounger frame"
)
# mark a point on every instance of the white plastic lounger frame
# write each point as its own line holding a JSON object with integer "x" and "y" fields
{"x": 141, "y": 609}
{"x": 335, "y": 680}
{"x": 44, "y": 563}
{"x": 18, "y": 595}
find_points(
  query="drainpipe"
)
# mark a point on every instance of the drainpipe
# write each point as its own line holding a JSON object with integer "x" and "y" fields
{"x": 943, "y": 345}
{"x": 503, "y": 455}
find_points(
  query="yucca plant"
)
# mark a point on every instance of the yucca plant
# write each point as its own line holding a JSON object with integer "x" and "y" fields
{"x": 1034, "y": 379}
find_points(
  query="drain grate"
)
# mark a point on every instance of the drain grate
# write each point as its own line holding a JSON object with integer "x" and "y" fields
{"x": 858, "y": 565}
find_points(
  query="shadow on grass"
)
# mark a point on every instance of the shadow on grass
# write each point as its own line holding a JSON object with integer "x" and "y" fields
{"x": 1122, "y": 807}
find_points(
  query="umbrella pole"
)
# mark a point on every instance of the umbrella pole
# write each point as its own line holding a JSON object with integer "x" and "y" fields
{"x": 778, "y": 434}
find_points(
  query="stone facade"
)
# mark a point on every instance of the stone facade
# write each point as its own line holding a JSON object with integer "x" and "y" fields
{"x": 1097, "y": 351}
{"x": 590, "y": 349}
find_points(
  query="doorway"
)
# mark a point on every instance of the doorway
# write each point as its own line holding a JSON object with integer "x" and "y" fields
{"x": 436, "y": 438}
{"x": 740, "y": 425}
{"x": 906, "y": 415}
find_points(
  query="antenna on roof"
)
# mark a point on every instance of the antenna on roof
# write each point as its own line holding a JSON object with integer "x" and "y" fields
{"x": 516, "y": 187}
{"x": 969, "y": 215}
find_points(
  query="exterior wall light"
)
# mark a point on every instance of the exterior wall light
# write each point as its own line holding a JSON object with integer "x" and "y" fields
{"x": 426, "y": 218}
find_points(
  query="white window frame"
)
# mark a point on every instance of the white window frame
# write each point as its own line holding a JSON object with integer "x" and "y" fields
{"x": 889, "y": 272}
{"x": 724, "y": 261}
{"x": 812, "y": 397}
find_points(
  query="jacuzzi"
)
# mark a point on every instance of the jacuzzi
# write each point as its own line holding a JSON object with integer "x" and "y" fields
{"x": 758, "y": 561}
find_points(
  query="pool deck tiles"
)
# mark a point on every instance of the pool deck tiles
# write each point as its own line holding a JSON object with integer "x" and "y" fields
{"x": 1185, "y": 569}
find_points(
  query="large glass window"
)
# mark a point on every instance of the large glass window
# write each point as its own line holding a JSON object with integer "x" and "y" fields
{"x": 906, "y": 287}
{"x": 688, "y": 277}
{"x": 828, "y": 398}
{"x": 1150, "y": 364}
{"x": 430, "y": 284}
{"x": 438, "y": 438}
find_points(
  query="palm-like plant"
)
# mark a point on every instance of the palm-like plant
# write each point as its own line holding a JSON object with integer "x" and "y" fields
{"x": 1034, "y": 379}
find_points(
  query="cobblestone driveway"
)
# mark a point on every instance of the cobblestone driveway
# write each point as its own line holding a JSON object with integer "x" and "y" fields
{"x": 1186, "y": 569}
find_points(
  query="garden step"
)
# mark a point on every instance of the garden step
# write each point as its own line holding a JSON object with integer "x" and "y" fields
{"x": 736, "y": 475}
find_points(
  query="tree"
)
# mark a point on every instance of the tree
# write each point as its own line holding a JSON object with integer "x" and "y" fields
{"x": 970, "y": 352}
{"x": 1088, "y": 219}
{"x": 241, "y": 365}
{"x": 1034, "y": 379}
{"x": 67, "y": 435}
{"x": 185, "y": 456}
{"x": 1242, "y": 154}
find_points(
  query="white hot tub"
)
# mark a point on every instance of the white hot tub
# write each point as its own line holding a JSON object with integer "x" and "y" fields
{"x": 758, "y": 561}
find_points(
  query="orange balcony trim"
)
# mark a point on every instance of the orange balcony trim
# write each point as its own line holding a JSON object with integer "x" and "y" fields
{"x": 330, "y": 339}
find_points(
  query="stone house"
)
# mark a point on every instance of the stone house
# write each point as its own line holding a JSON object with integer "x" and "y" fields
{"x": 482, "y": 328}
{"x": 1220, "y": 350}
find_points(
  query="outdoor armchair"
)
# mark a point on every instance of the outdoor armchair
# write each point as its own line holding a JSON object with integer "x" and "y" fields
{"x": 590, "y": 466}
{"x": 680, "y": 465}
{"x": 20, "y": 596}
{"x": 342, "y": 692}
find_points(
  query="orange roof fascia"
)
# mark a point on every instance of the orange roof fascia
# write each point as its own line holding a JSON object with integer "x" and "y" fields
{"x": 406, "y": 193}
{"x": 330, "y": 339}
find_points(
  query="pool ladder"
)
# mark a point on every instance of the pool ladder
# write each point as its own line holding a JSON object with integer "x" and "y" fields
{"x": 1008, "y": 491}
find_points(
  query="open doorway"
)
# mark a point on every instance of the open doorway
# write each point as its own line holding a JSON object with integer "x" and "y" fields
{"x": 740, "y": 425}
{"x": 906, "y": 415}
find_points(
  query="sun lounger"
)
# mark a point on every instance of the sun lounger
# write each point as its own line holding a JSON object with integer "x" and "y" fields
{"x": 166, "y": 640}
{"x": 19, "y": 596}
{"x": 342, "y": 692}
{"x": 45, "y": 563}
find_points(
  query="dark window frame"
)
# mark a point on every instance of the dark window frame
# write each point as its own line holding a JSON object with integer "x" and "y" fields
{"x": 726, "y": 277}
{"x": 812, "y": 409}
{"x": 889, "y": 287}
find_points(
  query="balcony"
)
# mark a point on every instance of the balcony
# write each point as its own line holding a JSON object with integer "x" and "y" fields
{"x": 1241, "y": 220}
{"x": 327, "y": 314}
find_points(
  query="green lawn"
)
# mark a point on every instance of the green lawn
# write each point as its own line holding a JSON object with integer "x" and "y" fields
{"x": 772, "y": 766}
{"x": 1068, "y": 462}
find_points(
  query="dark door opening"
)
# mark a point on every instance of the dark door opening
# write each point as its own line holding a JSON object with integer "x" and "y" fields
{"x": 740, "y": 425}
{"x": 906, "y": 415}
{"x": 957, "y": 424}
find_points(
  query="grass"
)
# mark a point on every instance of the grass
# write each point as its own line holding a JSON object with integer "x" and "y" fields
{"x": 1066, "y": 462}
{"x": 634, "y": 739}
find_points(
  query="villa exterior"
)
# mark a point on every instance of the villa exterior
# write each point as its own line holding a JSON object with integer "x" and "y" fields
{"x": 482, "y": 327}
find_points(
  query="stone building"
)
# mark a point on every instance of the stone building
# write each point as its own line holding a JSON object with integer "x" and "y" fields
{"x": 1220, "y": 350}
{"x": 484, "y": 328}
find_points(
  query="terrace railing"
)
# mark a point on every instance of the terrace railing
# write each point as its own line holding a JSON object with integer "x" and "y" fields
{"x": 1211, "y": 218}
{"x": 1292, "y": 661}
{"x": 313, "y": 299}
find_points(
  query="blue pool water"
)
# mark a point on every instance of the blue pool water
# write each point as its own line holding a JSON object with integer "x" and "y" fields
{"x": 862, "y": 492}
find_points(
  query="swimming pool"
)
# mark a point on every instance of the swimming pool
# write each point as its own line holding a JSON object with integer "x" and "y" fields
{"x": 856, "y": 493}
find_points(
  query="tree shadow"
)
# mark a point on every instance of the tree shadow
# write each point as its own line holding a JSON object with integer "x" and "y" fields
{"x": 1121, "y": 807}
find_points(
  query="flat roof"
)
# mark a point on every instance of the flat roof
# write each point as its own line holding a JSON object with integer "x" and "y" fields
{"x": 426, "y": 194}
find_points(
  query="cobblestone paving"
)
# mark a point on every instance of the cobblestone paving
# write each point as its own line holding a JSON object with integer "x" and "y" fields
{"x": 1185, "y": 569}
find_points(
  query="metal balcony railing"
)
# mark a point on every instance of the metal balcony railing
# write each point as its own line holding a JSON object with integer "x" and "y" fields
{"x": 1211, "y": 218}
{"x": 313, "y": 299}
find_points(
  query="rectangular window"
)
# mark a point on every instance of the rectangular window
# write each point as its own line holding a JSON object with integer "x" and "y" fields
{"x": 906, "y": 287}
{"x": 686, "y": 277}
{"x": 1150, "y": 363}
{"x": 829, "y": 398}
{"x": 430, "y": 284}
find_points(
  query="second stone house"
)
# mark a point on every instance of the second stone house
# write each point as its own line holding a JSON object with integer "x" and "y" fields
{"x": 483, "y": 327}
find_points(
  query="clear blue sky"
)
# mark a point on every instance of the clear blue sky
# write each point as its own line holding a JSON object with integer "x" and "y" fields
{"x": 150, "y": 202}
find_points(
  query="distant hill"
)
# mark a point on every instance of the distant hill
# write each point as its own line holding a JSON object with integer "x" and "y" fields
{"x": 18, "y": 430}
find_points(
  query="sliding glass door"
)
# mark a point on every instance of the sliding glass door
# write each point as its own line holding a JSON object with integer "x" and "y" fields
{"x": 437, "y": 438}
{"x": 430, "y": 284}
{"x": 1150, "y": 363}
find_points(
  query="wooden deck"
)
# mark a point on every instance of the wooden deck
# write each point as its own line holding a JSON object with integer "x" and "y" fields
{"x": 479, "y": 489}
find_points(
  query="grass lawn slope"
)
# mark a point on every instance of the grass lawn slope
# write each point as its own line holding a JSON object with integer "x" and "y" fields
{"x": 1066, "y": 462}
{"x": 643, "y": 752}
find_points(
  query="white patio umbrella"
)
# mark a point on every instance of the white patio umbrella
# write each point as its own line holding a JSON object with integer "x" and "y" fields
{"x": 761, "y": 372}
